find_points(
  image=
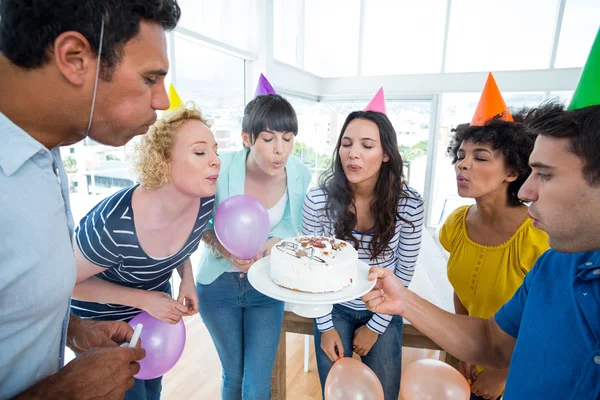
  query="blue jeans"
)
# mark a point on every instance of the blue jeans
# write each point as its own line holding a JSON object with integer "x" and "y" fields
{"x": 244, "y": 326}
{"x": 145, "y": 390}
{"x": 385, "y": 357}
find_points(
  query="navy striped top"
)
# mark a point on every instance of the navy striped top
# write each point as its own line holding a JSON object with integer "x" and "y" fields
{"x": 106, "y": 237}
{"x": 400, "y": 256}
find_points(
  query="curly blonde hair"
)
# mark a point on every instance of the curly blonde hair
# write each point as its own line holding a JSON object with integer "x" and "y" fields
{"x": 153, "y": 152}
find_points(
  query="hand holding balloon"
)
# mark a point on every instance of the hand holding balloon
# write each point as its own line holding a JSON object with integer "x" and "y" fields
{"x": 242, "y": 226}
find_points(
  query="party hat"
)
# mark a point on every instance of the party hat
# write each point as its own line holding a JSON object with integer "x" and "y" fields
{"x": 490, "y": 104}
{"x": 587, "y": 92}
{"x": 377, "y": 103}
{"x": 174, "y": 99}
{"x": 264, "y": 87}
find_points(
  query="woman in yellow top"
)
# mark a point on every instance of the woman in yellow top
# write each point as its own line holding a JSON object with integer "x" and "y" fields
{"x": 492, "y": 244}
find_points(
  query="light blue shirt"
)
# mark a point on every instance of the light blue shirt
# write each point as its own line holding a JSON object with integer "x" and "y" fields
{"x": 37, "y": 265}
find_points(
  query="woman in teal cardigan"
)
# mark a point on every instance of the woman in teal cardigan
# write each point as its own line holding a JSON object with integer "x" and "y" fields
{"x": 243, "y": 323}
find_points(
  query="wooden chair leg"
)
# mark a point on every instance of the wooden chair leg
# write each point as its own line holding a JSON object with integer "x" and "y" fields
{"x": 278, "y": 382}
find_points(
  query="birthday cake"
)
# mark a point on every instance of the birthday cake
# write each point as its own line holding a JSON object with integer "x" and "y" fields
{"x": 314, "y": 264}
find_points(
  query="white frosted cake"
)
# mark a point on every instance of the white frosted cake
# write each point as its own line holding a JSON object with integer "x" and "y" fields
{"x": 314, "y": 264}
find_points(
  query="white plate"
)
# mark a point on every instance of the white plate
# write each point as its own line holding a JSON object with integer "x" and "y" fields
{"x": 309, "y": 305}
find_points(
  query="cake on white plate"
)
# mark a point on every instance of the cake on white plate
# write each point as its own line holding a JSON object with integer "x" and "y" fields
{"x": 314, "y": 264}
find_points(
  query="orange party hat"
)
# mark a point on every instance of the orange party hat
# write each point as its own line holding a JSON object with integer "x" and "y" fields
{"x": 490, "y": 104}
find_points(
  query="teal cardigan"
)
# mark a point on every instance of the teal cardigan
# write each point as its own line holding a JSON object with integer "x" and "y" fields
{"x": 231, "y": 182}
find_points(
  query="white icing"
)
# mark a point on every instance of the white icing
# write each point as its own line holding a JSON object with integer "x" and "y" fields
{"x": 313, "y": 269}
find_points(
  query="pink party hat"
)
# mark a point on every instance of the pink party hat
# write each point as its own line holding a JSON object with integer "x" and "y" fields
{"x": 263, "y": 87}
{"x": 377, "y": 104}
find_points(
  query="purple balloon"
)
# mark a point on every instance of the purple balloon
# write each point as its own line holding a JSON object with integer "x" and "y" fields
{"x": 242, "y": 225}
{"x": 164, "y": 343}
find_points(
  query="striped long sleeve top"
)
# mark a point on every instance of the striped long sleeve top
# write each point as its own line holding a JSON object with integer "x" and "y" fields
{"x": 400, "y": 256}
{"x": 106, "y": 236}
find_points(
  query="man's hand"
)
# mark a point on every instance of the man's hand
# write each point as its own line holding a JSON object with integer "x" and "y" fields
{"x": 84, "y": 334}
{"x": 331, "y": 344}
{"x": 96, "y": 374}
{"x": 364, "y": 339}
{"x": 386, "y": 296}
{"x": 490, "y": 383}
{"x": 468, "y": 370}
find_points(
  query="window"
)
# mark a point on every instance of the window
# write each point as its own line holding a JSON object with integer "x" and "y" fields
{"x": 331, "y": 37}
{"x": 562, "y": 97}
{"x": 500, "y": 35}
{"x": 288, "y": 20}
{"x": 233, "y": 22}
{"x": 402, "y": 37}
{"x": 215, "y": 82}
{"x": 579, "y": 27}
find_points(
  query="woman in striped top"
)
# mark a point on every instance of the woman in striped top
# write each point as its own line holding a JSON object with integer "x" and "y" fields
{"x": 364, "y": 200}
{"x": 128, "y": 245}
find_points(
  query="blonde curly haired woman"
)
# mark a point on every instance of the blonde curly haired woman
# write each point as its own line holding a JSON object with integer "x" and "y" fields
{"x": 128, "y": 245}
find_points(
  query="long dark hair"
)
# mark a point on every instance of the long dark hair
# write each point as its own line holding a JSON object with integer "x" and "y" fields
{"x": 389, "y": 189}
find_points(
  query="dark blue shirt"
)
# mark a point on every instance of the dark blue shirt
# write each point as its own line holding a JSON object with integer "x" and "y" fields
{"x": 106, "y": 237}
{"x": 555, "y": 317}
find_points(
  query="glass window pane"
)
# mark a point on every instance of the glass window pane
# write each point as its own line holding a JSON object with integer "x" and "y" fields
{"x": 287, "y": 19}
{"x": 331, "y": 37}
{"x": 458, "y": 108}
{"x": 562, "y": 97}
{"x": 228, "y": 21}
{"x": 403, "y": 37}
{"x": 215, "y": 82}
{"x": 314, "y": 142}
{"x": 580, "y": 24}
{"x": 500, "y": 35}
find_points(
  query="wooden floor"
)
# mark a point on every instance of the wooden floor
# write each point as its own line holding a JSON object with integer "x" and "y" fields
{"x": 197, "y": 375}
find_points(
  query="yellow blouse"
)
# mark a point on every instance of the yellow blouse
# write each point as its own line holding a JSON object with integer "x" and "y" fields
{"x": 486, "y": 277}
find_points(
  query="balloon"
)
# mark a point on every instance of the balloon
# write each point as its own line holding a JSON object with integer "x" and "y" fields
{"x": 242, "y": 225}
{"x": 433, "y": 380}
{"x": 350, "y": 379}
{"x": 164, "y": 343}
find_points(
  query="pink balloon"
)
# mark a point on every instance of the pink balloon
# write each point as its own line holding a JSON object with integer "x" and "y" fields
{"x": 163, "y": 342}
{"x": 433, "y": 380}
{"x": 242, "y": 225}
{"x": 350, "y": 379}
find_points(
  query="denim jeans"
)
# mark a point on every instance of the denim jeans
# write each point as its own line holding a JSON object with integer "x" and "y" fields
{"x": 145, "y": 390}
{"x": 385, "y": 357}
{"x": 244, "y": 326}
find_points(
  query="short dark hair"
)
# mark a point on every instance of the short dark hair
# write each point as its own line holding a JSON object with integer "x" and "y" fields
{"x": 28, "y": 28}
{"x": 269, "y": 112}
{"x": 581, "y": 127}
{"x": 513, "y": 138}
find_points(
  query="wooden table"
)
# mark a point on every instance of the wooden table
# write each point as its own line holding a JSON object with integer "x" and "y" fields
{"x": 293, "y": 323}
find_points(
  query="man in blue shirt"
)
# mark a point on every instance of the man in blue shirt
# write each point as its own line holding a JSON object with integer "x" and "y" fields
{"x": 549, "y": 332}
{"x": 63, "y": 62}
